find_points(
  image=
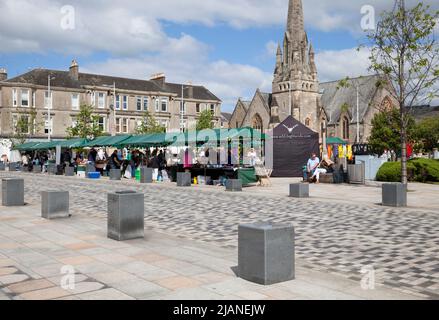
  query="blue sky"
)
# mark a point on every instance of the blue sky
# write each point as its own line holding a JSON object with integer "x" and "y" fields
{"x": 226, "y": 45}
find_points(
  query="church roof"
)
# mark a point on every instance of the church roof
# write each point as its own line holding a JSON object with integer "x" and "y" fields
{"x": 335, "y": 98}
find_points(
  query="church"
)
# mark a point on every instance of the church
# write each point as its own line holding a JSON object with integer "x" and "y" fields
{"x": 327, "y": 108}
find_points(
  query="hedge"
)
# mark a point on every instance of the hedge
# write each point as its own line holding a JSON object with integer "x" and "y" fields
{"x": 419, "y": 170}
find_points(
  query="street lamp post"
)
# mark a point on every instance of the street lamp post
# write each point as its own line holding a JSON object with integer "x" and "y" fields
{"x": 113, "y": 131}
{"x": 358, "y": 114}
{"x": 49, "y": 105}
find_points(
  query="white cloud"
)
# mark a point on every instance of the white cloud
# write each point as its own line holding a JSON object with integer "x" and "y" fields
{"x": 338, "y": 64}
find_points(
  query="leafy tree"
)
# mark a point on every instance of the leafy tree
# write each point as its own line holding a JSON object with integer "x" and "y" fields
{"x": 25, "y": 126}
{"x": 404, "y": 49}
{"x": 385, "y": 133}
{"x": 427, "y": 133}
{"x": 87, "y": 124}
{"x": 149, "y": 125}
{"x": 205, "y": 120}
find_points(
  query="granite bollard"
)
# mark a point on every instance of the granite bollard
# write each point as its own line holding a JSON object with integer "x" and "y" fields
{"x": 126, "y": 211}
{"x": 52, "y": 168}
{"x": 394, "y": 195}
{"x": 2, "y": 166}
{"x": 12, "y": 192}
{"x": 184, "y": 179}
{"x": 266, "y": 253}
{"x": 115, "y": 174}
{"x": 234, "y": 185}
{"x": 299, "y": 190}
{"x": 55, "y": 204}
{"x": 145, "y": 175}
{"x": 36, "y": 169}
{"x": 69, "y": 171}
{"x": 12, "y": 166}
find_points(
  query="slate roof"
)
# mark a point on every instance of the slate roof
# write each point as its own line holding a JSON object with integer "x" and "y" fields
{"x": 226, "y": 115}
{"x": 333, "y": 99}
{"x": 62, "y": 79}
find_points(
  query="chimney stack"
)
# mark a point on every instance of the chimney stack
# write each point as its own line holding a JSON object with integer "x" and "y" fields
{"x": 3, "y": 74}
{"x": 159, "y": 78}
{"x": 74, "y": 70}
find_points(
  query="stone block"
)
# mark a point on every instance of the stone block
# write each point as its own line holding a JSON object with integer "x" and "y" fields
{"x": 184, "y": 179}
{"x": 52, "y": 169}
{"x": 55, "y": 204}
{"x": 266, "y": 253}
{"x": 90, "y": 168}
{"x": 69, "y": 171}
{"x": 2, "y": 166}
{"x": 234, "y": 185}
{"x": 126, "y": 211}
{"x": 36, "y": 169}
{"x": 357, "y": 173}
{"x": 115, "y": 174}
{"x": 12, "y": 192}
{"x": 146, "y": 175}
{"x": 13, "y": 166}
{"x": 299, "y": 190}
{"x": 394, "y": 195}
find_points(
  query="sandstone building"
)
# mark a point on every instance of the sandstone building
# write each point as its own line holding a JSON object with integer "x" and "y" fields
{"x": 70, "y": 89}
{"x": 326, "y": 108}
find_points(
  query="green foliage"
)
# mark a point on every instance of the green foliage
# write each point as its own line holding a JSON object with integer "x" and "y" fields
{"x": 419, "y": 170}
{"x": 26, "y": 125}
{"x": 149, "y": 125}
{"x": 427, "y": 133}
{"x": 87, "y": 124}
{"x": 385, "y": 133}
{"x": 205, "y": 120}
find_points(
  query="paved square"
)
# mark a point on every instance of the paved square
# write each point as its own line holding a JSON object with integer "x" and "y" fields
{"x": 191, "y": 239}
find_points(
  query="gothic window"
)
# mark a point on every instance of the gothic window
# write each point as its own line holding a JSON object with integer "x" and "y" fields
{"x": 386, "y": 105}
{"x": 323, "y": 128}
{"x": 308, "y": 122}
{"x": 345, "y": 127}
{"x": 257, "y": 123}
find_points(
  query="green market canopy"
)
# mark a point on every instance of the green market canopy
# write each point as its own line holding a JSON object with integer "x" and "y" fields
{"x": 106, "y": 141}
{"x": 335, "y": 140}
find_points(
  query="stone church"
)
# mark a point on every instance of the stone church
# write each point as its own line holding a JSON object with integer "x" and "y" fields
{"x": 326, "y": 108}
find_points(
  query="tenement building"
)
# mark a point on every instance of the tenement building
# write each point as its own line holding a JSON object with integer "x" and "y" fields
{"x": 53, "y": 98}
{"x": 327, "y": 108}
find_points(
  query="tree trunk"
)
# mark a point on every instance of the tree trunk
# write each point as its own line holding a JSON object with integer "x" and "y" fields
{"x": 404, "y": 179}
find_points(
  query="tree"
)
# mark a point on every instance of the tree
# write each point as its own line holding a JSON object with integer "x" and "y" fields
{"x": 404, "y": 49}
{"x": 149, "y": 125}
{"x": 205, "y": 120}
{"x": 87, "y": 124}
{"x": 25, "y": 126}
{"x": 386, "y": 129}
{"x": 427, "y": 133}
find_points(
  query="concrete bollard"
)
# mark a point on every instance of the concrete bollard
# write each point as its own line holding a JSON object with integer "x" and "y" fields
{"x": 24, "y": 169}
{"x": 12, "y": 166}
{"x": 126, "y": 215}
{"x": 36, "y": 169}
{"x": 69, "y": 171}
{"x": 184, "y": 179}
{"x": 145, "y": 175}
{"x": 266, "y": 253}
{"x": 357, "y": 173}
{"x": 52, "y": 168}
{"x": 299, "y": 190}
{"x": 394, "y": 195}
{"x": 12, "y": 192}
{"x": 234, "y": 185}
{"x": 115, "y": 174}
{"x": 55, "y": 204}
{"x": 2, "y": 166}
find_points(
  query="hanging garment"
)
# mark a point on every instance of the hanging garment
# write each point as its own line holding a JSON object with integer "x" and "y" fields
{"x": 349, "y": 153}
{"x": 329, "y": 151}
{"x": 335, "y": 151}
{"x": 340, "y": 152}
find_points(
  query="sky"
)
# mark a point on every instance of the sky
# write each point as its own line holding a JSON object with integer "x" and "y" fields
{"x": 228, "y": 45}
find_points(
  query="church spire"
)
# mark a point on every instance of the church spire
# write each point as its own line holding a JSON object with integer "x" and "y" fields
{"x": 295, "y": 23}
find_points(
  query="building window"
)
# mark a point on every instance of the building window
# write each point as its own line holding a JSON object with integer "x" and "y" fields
{"x": 125, "y": 103}
{"x": 101, "y": 124}
{"x": 74, "y": 122}
{"x": 25, "y": 98}
{"x": 21, "y": 124}
{"x": 198, "y": 109}
{"x": 34, "y": 99}
{"x": 48, "y": 126}
{"x": 125, "y": 125}
{"x": 14, "y": 97}
{"x": 139, "y": 103}
{"x": 182, "y": 107}
{"x": 117, "y": 102}
{"x": 345, "y": 128}
{"x": 48, "y": 100}
{"x": 157, "y": 105}
{"x": 257, "y": 123}
{"x": 75, "y": 101}
{"x": 93, "y": 98}
{"x": 145, "y": 103}
{"x": 118, "y": 125}
{"x": 101, "y": 100}
{"x": 212, "y": 109}
{"x": 183, "y": 125}
{"x": 164, "y": 105}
